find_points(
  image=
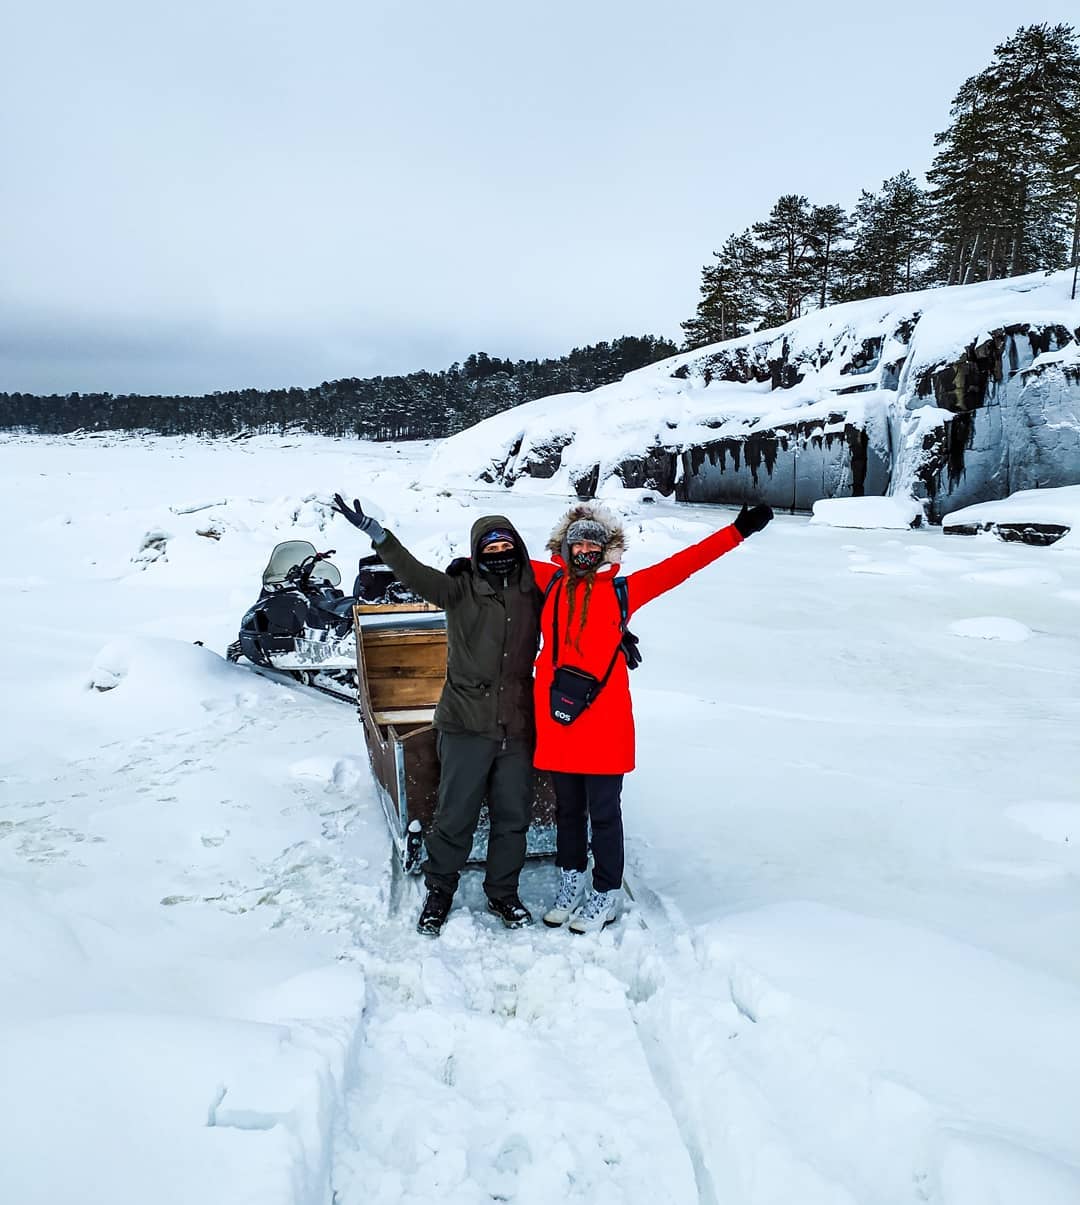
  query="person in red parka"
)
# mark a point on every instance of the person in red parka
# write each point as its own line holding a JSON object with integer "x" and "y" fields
{"x": 589, "y": 749}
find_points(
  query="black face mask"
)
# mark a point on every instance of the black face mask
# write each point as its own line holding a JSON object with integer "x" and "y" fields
{"x": 585, "y": 562}
{"x": 498, "y": 564}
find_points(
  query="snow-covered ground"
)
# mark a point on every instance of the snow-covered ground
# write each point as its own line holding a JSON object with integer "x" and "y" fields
{"x": 851, "y": 973}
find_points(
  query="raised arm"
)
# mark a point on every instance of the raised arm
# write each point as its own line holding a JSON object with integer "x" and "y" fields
{"x": 431, "y": 584}
{"x": 647, "y": 584}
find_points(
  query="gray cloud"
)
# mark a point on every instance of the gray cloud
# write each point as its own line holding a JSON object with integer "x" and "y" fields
{"x": 207, "y": 196}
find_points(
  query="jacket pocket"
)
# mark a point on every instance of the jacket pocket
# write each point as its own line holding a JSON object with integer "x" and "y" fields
{"x": 470, "y": 686}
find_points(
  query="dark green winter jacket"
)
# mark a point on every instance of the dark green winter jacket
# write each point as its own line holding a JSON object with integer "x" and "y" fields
{"x": 492, "y": 631}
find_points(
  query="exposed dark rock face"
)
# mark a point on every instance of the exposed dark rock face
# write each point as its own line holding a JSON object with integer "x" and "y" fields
{"x": 544, "y": 459}
{"x": 865, "y": 358}
{"x": 1006, "y": 425}
{"x": 775, "y": 361}
{"x": 790, "y": 466}
{"x": 585, "y": 483}
{"x": 741, "y": 365}
{"x": 962, "y": 384}
{"x": 541, "y": 459}
{"x": 656, "y": 470}
{"x": 1039, "y": 534}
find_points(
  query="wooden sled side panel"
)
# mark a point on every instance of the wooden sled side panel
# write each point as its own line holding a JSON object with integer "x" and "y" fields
{"x": 400, "y": 671}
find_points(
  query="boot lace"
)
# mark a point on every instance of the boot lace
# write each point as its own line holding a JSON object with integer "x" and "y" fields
{"x": 568, "y": 889}
{"x": 596, "y": 905}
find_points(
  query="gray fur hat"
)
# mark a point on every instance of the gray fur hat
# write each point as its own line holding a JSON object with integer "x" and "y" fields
{"x": 588, "y": 529}
{"x": 583, "y": 518}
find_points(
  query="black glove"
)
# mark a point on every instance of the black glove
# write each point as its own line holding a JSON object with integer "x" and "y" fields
{"x": 752, "y": 518}
{"x": 372, "y": 528}
{"x": 630, "y": 650}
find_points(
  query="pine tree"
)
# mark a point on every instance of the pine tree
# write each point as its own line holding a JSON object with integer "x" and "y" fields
{"x": 892, "y": 241}
{"x": 1001, "y": 188}
{"x": 730, "y": 293}
{"x": 1074, "y": 254}
{"x": 790, "y": 254}
{"x": 830, "y": 228}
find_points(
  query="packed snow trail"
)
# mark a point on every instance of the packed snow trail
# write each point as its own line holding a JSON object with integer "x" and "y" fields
{"x": 501, "y": 1065}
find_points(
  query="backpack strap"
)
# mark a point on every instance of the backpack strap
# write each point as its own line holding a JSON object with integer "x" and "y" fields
{"x": 556, "y": 577}
{"x": 628, "y": 645}
{"x": 622, "y": 593}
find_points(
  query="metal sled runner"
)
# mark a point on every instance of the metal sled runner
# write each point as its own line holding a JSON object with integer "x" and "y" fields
{"x": 400, "y": 669}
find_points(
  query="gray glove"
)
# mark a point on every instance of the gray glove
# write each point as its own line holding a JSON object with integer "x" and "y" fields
{"x": 372, "y": 528}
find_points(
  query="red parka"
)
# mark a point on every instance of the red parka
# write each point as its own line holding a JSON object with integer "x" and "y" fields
{"x": 601, "y": 739}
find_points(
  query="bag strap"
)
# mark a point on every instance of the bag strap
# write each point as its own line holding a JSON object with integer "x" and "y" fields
{"x": 620, "y": 591}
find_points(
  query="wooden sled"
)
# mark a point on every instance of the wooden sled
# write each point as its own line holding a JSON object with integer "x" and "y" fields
{"x": 400, "y": 670}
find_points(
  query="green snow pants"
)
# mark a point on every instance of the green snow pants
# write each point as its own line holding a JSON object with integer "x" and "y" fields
{"x": 473, "y": 768}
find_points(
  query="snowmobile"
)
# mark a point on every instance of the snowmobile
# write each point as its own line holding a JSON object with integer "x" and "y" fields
{"x": 302, "y": 622}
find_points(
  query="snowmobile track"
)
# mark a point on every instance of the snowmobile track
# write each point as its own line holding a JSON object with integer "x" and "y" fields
{"x": 285, "y": 678}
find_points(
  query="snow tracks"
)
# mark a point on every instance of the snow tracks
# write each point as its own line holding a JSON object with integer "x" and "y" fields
{"x": 212, "y": 993}
{"x": 506, "y": 1066}
{"x": 753, "y": 1060}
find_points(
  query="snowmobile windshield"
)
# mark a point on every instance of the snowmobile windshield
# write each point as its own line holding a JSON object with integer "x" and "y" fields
{"x": 291, "y": 555}
{"x": 326, "y": 573}
{"x": 285, "y": 557}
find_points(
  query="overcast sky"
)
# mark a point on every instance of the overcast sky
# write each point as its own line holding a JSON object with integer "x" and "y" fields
{"x": 200, "y": 196}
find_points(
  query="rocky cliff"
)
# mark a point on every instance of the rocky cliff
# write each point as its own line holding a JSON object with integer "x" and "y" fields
{"x": 952, "y": 396}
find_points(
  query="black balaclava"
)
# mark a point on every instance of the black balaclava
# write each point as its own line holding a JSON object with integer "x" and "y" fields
{"x": 498, "y": 564}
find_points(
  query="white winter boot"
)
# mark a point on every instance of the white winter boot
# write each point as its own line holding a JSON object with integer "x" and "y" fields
{"x": 570, "y": 894}
{"x": 597, "y": 912}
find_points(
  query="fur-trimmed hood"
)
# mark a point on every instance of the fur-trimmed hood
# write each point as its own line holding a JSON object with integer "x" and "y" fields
{"x": 598, "y": 513}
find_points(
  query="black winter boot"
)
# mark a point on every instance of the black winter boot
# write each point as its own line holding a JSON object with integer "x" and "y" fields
{"x": 511, "y": 911}
{"x": 434, "y": 912}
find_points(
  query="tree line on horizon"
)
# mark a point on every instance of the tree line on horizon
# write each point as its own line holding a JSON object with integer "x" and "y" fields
{"x": 419, "y": 405}
{"x": 1003, "y": 199}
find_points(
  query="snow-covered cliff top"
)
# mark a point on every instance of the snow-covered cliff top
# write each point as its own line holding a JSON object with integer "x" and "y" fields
{"x": 834, "y": 365}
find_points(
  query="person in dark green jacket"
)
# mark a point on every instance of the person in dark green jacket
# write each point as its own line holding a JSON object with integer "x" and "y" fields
{"x": 484, "y": 718}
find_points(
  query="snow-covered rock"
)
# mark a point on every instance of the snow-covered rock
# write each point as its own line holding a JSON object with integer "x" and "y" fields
{"x": 952, "y": 396}
{"x": 898, "y": 513}
{"x": 1030, "y": 516}
{"x": 152, "y": 548}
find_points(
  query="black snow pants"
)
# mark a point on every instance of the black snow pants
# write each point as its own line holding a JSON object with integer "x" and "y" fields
{"x": 595, "y": 798}
{"x": 473, "y": 768}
